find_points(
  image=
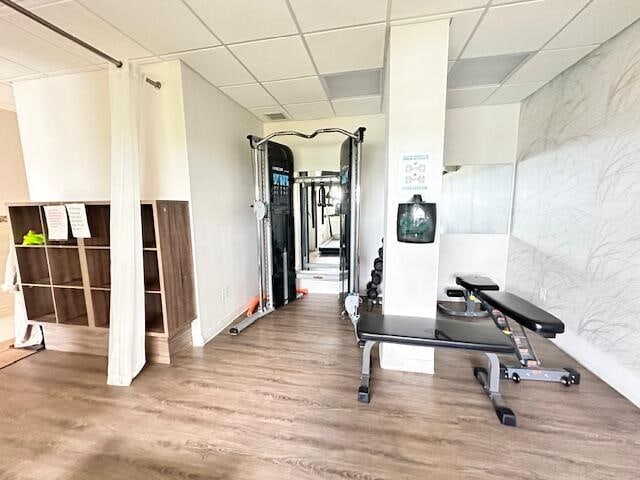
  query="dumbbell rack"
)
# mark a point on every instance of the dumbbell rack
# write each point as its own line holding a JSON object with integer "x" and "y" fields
{"x": 373, "y": 286}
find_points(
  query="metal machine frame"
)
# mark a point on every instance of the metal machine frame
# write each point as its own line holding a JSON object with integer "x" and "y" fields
{"x": 263, "y": 222}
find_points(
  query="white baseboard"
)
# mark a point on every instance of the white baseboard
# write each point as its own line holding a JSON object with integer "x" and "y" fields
{"x": 218, "y": 327}
{"x": 602, "y": 364}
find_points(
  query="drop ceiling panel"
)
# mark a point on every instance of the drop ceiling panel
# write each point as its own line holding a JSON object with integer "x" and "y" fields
{"x": 460, "y": 30}
{"x": 416, "y": 8}
{"x": 326, "y": 14}
{"x": 262, "y": 112}
{"x": 252, "y": 95}
{"x": 29, "y": 4}
{"x": 522, "y": 27}
{"x": 300, "y": 90}
{"x": 275, "y": 59}
{"x": 546, "y": 65}
{"x": 162, "y": 26}
{"x": 468, "y": 97}
{"x": 243, "y": 20}
{"x": 483, "y": 70}
{"x": 357, "y": 106}
{"x": 513, "y": 93}
{"x": 30, "y": 51}
{"x": 9, "y": 69}
{"x": 310, "y": 111}
{"x": 600, "y": 21}
{"x": 218, "y": 66}
{"x": 349, "y": 49}
{"x": 77, "y": 20}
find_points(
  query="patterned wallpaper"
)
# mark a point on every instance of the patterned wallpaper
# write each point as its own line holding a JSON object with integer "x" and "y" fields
{"x": 575, "y": 246}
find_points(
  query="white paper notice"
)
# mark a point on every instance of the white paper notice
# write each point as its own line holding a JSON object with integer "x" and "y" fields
{"x": 78, "y": 219}
{"x": 57, "y": 224}
{"x": 413, "y": 172}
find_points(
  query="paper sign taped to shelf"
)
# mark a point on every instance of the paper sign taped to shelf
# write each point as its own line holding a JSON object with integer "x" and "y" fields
{"x": 78, "y": 220}
{"x": 57, "y": 222}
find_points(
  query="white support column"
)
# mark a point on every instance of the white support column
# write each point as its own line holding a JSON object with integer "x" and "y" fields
{"x": 417, "y": 90}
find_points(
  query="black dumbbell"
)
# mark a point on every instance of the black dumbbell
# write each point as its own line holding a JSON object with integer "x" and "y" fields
{"x": 380, "y": 252}
{"x": 377, "y": 264}
{"x": 376, "y": 278}
{"x": 372, "y": 293}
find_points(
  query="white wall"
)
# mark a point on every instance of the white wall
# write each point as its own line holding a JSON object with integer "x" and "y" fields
{"x": 13, "y": 181}
{"x": 481, "y": 135}
{"x": 576, "y": 220}
{"x": 323, "y": 153}
{"x": 65, "y": 132}
{"x": 221, "y": 184}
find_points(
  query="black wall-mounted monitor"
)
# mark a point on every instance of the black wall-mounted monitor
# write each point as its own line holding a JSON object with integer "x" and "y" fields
{"x": 416, "y": 222}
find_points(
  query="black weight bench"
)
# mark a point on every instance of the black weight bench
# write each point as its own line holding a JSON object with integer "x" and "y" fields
{"x": 446, "y": 333}
{"x": 470, "y": 284}
{"x": 505, "y": 306}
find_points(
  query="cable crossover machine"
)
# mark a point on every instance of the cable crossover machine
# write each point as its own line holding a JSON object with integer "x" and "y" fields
{"x": 273, "y": 208}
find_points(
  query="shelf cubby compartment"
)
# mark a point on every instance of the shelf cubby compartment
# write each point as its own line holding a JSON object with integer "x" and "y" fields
{"x": 39, "y": 303}
{"x": 32, "y": 263}
{"x": 98, "y": 218}
{"x": 151, "y": 272}
{"x": 148, "y": 227}
{"x": 65, "y": 267}
{"x": 154, "y": 321}
{"x": 99, "y": 268}
{"x": 70, "y": 306}
{"x": 101, "y": 306}
{"x": 23, "y": 219}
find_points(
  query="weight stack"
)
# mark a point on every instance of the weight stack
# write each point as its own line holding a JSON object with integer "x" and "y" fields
{"x": 376, "y": 277}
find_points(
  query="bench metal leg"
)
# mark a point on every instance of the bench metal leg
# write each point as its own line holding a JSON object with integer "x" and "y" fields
{"x": 490, "y": 381}
{"x": 363, "y": 389}
{"x": 566, "y": 376}
{"x": 470, "y": 309}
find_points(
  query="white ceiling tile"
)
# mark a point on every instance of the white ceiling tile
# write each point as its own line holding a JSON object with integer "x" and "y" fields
{"x": 468, "y": 97}
{"x": 415, "y": 8}
{"x": 318, "y": 15}
{"x": 522, "y": 27}
{"x": 513, "y": 93}
{"x": 28, "y": 4}
{"x": 299, "y": 90}
{"x": 251, "y": 95}
{"x": 9, "y": 69}
{"x": 357, "y": 106}
{"x": 275, "y": 59}
{"x": 262, "y": 112}
{"x": 469, "y": 72}
{"x": 6, "y": 97}
{"x": 310, "y": 111}
{"x": 162, "y": 26}
{"x": 546, "y": 65}
{"x": 33, "y": 52}
{"x": 451, "y": 64}
{"x": 77, "y": 20}
{"x": 600, "y": 21}
{"x": 460, "y": 30}
{"x": 348, "y": 49}
{"x": 242, "y": 20}
{"x": 218, "y": 66}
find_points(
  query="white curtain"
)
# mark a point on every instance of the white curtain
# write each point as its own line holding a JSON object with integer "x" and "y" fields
{"x": 127, "y": 321}
{"x": 25, "y": 335}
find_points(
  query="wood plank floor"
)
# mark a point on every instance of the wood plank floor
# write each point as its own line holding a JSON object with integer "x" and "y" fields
{"x": 279, "y": 402}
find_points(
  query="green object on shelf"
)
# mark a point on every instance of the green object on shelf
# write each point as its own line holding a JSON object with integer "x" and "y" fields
{"x": 33, "y": 238}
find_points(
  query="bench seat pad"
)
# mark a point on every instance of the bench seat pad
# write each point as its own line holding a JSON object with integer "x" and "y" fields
{"x": 477, "y": 282}
{"x": 524, "y": 312}
{"x": 450, "y": 333}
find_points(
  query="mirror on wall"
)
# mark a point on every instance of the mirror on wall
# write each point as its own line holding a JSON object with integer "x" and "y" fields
{"x": 476, "y": 199}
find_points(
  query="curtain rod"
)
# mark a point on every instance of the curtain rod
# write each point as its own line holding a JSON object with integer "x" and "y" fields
{"x": 27, "y": 13}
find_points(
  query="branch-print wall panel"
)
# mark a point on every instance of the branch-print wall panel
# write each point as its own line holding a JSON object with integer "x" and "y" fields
{"x": 576, "y": 216}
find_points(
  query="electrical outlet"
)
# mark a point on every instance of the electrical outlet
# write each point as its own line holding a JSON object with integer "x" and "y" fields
{"x": 542, "y": 294}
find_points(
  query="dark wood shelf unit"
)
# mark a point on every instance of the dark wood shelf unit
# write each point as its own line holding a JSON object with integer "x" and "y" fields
{"x": 67, "y": 285}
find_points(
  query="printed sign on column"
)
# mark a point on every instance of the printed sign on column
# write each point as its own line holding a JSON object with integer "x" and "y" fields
{"x": 413, "y": 172}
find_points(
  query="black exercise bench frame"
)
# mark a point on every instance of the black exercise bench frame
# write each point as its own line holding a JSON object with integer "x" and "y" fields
{"x": 447, "y": 333}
